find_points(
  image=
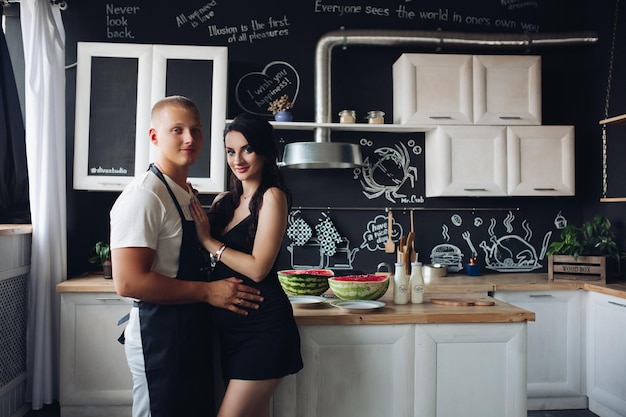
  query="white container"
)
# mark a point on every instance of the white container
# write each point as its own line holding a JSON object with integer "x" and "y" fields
{"x": 416, "y": 283}
{"x": 400, "y": 285}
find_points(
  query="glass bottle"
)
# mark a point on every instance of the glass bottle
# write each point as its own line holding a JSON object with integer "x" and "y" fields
{"x": 376, "y": 117}
{"x": 400, "y": 285}
{"x": 416, "y": 283}
{"x": 347, "y": 116}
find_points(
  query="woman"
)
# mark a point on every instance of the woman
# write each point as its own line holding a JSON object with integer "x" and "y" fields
{"x": 244, "y": 234}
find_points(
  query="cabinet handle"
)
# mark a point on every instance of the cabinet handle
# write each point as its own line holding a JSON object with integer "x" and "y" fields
{"x": 617, "y": 304}
{"x": 510, "y": 118}
{"x": 441, "y": 117}
{"x": 545, "y": 189}
{"x": 108, "y": 298}
{"x": 475, "y": 189}
{"x": 540, "y": 295}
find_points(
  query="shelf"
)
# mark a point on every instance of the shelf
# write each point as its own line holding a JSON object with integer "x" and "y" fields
{"x": 352, "y": 127}
{"x": 613, "y": 200}
{"x": 617, "y": 119}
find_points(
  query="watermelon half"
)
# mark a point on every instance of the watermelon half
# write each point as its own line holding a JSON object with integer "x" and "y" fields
{"x": 359, "y": 287}
{"x": 305, "y": 281}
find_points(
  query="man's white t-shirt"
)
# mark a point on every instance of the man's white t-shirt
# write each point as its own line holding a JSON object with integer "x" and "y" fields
{"x": 145, "y": 215}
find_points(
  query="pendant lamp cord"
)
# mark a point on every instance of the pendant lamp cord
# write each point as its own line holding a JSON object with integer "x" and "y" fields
{"x": 606, "y": 102}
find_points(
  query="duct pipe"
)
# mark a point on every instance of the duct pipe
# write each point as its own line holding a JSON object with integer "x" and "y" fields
{"x": 428, "y": 39}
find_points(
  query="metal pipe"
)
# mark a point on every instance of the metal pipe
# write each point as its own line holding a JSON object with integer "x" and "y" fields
{"x": 428, "y": 39}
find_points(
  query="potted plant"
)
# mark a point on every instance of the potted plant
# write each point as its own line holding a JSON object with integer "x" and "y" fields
{"x": 583, "y": 252}
{"x": 281, "y": 109}
{"x": 102, "y": 257}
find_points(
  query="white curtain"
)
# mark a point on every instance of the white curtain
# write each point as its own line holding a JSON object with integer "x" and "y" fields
{"x": 44, "y": 59}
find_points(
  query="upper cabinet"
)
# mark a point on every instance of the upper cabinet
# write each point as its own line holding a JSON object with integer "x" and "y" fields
{"x": 540, "y": 160}
{"x": 507, "y": 89}
{"x": 492, "y": 161}
{"x": 116, "y": 86}
{"x": 432, "y": 89}
{"x": 466, "y": 161}
{"x": 467, "y": 89}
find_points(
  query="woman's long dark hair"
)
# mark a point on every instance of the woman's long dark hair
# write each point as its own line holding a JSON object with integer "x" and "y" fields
{"x": 260, "y": 135}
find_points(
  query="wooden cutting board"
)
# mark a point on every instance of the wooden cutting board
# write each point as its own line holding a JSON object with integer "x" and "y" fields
{"x": 463, "y": 301}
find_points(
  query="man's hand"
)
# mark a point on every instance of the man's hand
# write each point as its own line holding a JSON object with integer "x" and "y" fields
{"x": 232, "y": 295}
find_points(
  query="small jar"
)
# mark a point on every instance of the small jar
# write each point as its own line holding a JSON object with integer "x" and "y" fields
{"x": 376, "y": 117}
{"x": 347, "y": 116}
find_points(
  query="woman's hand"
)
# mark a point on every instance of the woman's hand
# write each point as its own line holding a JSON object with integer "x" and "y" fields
{"x": 201, "y": 220}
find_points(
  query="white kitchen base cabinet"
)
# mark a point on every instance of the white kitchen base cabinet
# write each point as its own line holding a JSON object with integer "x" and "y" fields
{"x": 95, "y": 379}
{"x": 606, "y": 354}
{"x": 555, "y": 377}
{"x": 435, "y": 370}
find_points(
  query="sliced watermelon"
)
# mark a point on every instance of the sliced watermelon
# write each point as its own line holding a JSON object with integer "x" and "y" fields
{"x": 305, "y": 281}
{"x": 359, "y": 287}
{"x": 360, "y": 278}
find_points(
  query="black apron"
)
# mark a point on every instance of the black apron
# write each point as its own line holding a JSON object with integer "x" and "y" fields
{"x": 177, "y": 340}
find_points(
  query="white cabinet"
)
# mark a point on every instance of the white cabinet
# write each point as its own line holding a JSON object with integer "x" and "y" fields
{"x": 507, "y": 89}
{"x": 432, "y": 89}
{"x": 464, "y": 89}
{"x": 500, "y": 161}
{"x": 95, "y": 379}
{"x": 555, "y": 372}
{"x": 606, "y": 357}
{"x": 466, "y": 161}
{"x": 116, "y": 86}
{"x": 540, "y": 160}
{"x": 435, "y": 370}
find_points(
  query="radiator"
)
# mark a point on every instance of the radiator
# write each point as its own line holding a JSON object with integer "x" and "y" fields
{"x": 14, "y": 269}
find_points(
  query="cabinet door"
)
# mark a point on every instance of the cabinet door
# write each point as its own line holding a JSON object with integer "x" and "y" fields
{"x": 554, "y": 347}
{"x": 199, "y": 73}
{"x": 540, "y": 160}
{"x": 466, "y": 161}
{"x": 94, "y": 370}
{"x": 507, "y": 89}
{"x": 343, "y": 366}
{"x": 432, "y": 89}
{"x": 118, "y": 83}
{"x": 111, "y": 141}
{"x": 606, "y": 360}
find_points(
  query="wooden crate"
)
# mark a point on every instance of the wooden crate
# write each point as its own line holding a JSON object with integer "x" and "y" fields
{"x": 585, "y": 268}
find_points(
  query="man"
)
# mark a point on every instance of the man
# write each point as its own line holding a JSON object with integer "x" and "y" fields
{"x": 157, "y": 261}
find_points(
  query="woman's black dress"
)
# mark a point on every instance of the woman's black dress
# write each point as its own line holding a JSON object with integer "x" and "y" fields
{"x": 265, "y": 344}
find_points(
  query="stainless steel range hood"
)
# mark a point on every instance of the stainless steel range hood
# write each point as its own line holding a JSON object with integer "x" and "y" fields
{"x": 321, "y": 155}
{"x": 324, "y": 154}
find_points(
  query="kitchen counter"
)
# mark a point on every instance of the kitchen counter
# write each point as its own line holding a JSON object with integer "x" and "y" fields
{"x": 440, "y": 349}
{"x": 15, "y": 229}
{"x": 326, "y": 314}
{"x": 94, "y": 282}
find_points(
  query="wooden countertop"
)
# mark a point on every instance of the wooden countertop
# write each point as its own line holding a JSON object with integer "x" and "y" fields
{"x": 326, "y": 314}
{"x": 15, "y": 229}
{"x": 448, "y": 287}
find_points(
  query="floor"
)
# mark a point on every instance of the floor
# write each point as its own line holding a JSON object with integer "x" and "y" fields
{"x": 53, "y": 411}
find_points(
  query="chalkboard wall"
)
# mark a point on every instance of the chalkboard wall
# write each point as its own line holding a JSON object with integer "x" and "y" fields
{"x": 339, "y": 219}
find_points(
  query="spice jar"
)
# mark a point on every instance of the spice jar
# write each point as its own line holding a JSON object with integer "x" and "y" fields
{"x": 376, "y": 116}
{"x": 347, "y": 116}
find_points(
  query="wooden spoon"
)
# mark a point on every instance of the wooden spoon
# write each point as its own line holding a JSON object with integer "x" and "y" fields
{"x": 390, "y": 247}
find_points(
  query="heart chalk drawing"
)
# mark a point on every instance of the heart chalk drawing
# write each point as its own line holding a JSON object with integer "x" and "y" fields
{"x": 256, "y": 90}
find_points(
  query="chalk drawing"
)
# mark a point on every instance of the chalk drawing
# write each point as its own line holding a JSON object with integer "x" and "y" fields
{"x": 327, "y": 249}
{"x": 256, "y": 90}
{"x": 375, "y": 234}
{"x": 388, "y": 171}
